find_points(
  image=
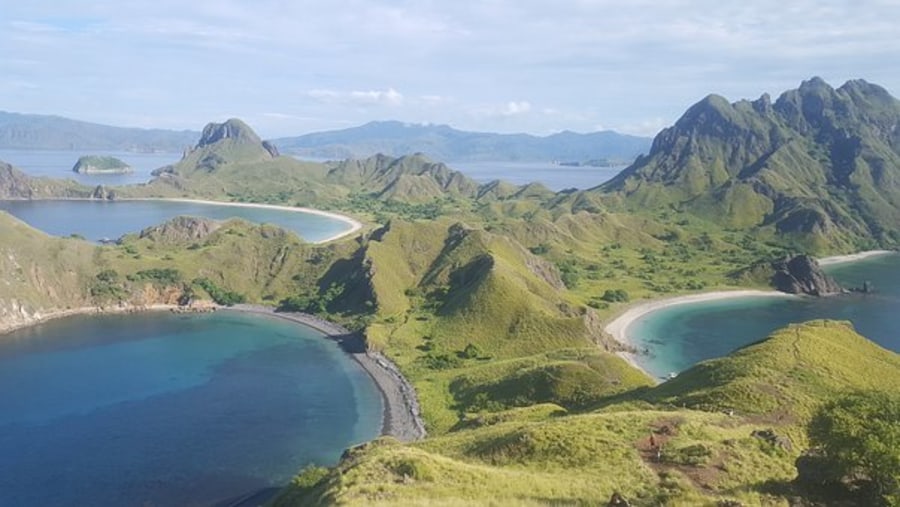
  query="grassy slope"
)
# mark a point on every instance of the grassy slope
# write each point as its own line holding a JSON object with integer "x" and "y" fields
{"x": 539, "y": 456}
{"x": 441, "y": 287}
{"x": 40, "y": 273}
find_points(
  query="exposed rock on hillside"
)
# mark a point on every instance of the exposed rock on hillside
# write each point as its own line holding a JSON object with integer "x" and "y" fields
{"x": 801, "y": 274}
{"x": 103, "y": 193}
{"x": 14, "y": 183}
{"x": 181, "y": 229}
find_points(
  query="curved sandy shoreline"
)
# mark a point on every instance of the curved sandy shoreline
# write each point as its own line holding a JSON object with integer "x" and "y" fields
{"x": 618, "y": 327}
{"x": 841, "y": 259}
{"x": 355, "y": 225}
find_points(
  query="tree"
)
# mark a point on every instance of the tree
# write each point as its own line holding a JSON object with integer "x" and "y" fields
{"x": 860, "y": 437}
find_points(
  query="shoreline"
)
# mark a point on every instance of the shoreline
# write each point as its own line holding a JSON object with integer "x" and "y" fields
{"x": 842, "y": 259}
{"x": 618, "y": 326}
{"x": 355, "y": 225}
{"x": 401, "y": 418}
{"x": 92, "y": 310}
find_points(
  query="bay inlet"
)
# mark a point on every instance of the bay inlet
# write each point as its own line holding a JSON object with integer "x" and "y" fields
{"x": 674, "y": 338}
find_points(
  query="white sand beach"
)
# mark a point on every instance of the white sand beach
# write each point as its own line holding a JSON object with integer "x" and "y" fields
{"x": 841, "y": 259}
{"x": 618, "y": 327}
{"x": 354, "y": 224}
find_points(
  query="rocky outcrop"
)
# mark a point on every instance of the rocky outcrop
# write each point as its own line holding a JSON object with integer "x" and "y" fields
{"x": 103, "y": 193}
{"x": 14, "y": 184}
{"x": 801, "y": 274}
{"x": 231, "y": 129}
{"x": 181, "y": 229}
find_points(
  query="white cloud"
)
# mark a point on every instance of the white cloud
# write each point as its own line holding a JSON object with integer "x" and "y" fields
{"x": 579, "y": 63}
{"x": 389, "y": 97}
{"x": 513, "y": 108}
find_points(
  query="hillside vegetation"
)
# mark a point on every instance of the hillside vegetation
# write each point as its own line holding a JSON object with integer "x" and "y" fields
{"x": 819, "y": 166}
{"x": 736, "y": 439}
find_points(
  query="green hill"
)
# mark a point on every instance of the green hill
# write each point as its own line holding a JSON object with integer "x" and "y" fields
{"x": 14, "y": 184}
{"x": 231, "y": 162}
{"x": 821, "y": 165}
{"x": 540, "y": 455}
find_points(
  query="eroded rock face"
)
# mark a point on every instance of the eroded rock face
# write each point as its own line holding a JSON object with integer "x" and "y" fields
{"x": 801, "y": 274}
{"x": 231, "y": 129}
{"x": 181, "y": 229}
{"x": 14, "y": 183}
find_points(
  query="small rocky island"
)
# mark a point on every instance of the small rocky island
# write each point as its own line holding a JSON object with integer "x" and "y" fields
{"x": 98, "y": 164}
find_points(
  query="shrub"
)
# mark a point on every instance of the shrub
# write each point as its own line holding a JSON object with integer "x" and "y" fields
{"x": 615, "y": 296}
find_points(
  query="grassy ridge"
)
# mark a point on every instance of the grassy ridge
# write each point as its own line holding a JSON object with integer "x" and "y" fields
{"x": 541, "y": 455}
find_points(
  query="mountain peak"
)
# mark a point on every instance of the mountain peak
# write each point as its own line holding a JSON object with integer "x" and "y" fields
{"x": 231, "y": 129}
{"x": 819, "y": 162}
{"x": 815, "y": 84}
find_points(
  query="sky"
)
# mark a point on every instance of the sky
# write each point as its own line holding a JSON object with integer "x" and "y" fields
{"x": 293, "y": 67}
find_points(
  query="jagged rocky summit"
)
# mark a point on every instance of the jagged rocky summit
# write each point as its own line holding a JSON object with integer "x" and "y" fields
{"x": 220, "y": 144}
{"x": 236, "y": 130}
{"x": 818, "y": 162}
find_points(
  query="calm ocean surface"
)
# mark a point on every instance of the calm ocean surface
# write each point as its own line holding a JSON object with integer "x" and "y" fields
{"x": 163, "y": 409}
{"x": 58, "y": 164}
{"x": 683, "y": 335}
{"x": 554, "y": 177}
{"x": 96, "y": 220}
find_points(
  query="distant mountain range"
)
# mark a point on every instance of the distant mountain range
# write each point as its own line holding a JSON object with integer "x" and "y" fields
{"x": 40, "y": 132}
{"x": 392, "y": 138}
{"x": 444, "y": 143}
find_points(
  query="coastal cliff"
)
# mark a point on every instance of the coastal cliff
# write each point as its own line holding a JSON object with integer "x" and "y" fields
{"x": 801, "y": 274}
{"x": 797, "y": 274}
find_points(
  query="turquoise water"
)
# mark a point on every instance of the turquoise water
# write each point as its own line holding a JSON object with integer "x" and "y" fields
{"x": 164, "y": 409}
{"x": 680, "y": 336}
{"x": 96, "y": 220}
{"x": 553, "y": 176}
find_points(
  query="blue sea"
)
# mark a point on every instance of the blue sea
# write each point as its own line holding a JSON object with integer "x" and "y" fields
{"x": 164, "y": 409}
{"x": 680, "y": 336}
{"x": 58, "y": 164}
{"x": 97, "y": 220}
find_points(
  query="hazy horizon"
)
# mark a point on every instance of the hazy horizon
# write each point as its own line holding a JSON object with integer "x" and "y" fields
{"x": 502, "y": 66}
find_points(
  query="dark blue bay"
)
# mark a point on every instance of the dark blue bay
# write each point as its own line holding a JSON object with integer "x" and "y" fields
{"x": 680, "y": 336}
{"x": 96, "y": 220}
{"x": 162, "y": 409}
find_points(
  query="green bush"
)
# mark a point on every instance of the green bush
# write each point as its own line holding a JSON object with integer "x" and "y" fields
{"x": 860, "y": 436}
{"x": 218, "y": 294}
{"x": 615, "y": 296}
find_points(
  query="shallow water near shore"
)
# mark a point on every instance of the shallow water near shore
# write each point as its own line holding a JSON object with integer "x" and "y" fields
{"x": 96, "y": 220}
{"x": 165, "y": 409}
{"x": 675, "y": 338}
